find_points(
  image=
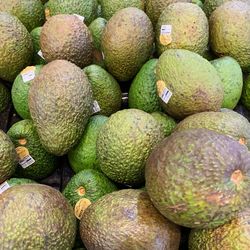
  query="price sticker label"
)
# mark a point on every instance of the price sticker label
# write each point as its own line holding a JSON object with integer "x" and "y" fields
{"x": 4, "y": 186}
{"x": 28, "y": 74}
{"x": 164, "y": 93}
{"x": 166, "y": 34}
{"x": 40, "y": 53}
{"x": 81, "y": 18}
{"x": 25, "y": 159}
{"x": 96, "y": 107}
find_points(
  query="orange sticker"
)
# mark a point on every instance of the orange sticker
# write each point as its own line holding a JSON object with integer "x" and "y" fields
{"x": 22, "y": 152}
{"x": 81, "y": 206}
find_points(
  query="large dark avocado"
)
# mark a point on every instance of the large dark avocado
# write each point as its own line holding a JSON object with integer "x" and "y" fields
{"x": 198, "y": 178}
{"x": 127, "y": 220}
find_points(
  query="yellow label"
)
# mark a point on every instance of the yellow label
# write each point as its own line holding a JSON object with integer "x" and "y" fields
{"x": 165, "y": 39}
{"x": 22, "y": 152}
{"x": 81, "y": 206}
{"x": 47, "y": 13}
{"x": 28, "y": 69}
{"x": 161, "y": 85}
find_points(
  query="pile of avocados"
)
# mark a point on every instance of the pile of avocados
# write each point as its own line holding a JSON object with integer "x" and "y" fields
{"x": 140, "y": 111}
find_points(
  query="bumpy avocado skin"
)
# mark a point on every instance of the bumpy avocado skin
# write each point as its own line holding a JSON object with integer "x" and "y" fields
{"x": 85, "y": 8}
{"x": 232, "y": 235}
{"x": 83, "y": 155}
{"x": 8, "y": 157}
{"x": 138, "y": 224}
{"x": 29, "y": 12}
{"x": 110, "y": 7}
{"x": 4, "y": 97}
{"x": 122, "y": 153}
{"x": 45, "y": 163}
{"x": 127, "y": 43}
{"x": 227, "y": 122}
{"x": 193, "y": 81}
{"x": 39, "y": 217}
{"x": 142, "y": 93}
{"x": 19, "y": 181}
{"x": 16, "y": 47}
{"x": 198, "y": 178}
{"x": 60, "y": 102}
{"x": 66, "y": 37}
{"x": 154, "y": 8}
{"x": 94, "y": 183}
{"x": 189, "y": 28}
{"x": 229, "y": 32}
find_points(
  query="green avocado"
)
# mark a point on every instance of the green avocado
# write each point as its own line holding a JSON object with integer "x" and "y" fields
{"x": 143, "y": 93}
{"x": 4, "y": 97}
{"x": 20, "y": 91}
{"x": 42, "y": 217}
{"x": 83, "y": 155}
{"x": 16, "y": 48}
{"x": 19, "y": 181}
{"x": 245, "y": 97}
{"x": 25, "y": 138}
{"x": 138, "y": 225}
{"x": 60, "y": 108}
{"x": 198, "y": 178}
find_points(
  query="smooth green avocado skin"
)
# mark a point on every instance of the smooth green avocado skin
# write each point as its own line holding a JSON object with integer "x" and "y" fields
{"x": 83, "y": 155}
{"x": 40, "y": 208}
{"x": 143, "y": 93}
{"x": 45, "y": 163}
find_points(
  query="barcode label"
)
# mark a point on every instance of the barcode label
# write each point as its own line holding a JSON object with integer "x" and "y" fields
{"x": 96, "y": 107}
{"x": 81, "y": 18}
{"x": 4, "y": 186}
{"x": 166, "y": 29}
{"x": 40, "y": 53}
{"x": 166, "y": 95}
{"x": 26, "y": 161}
{"x": 28, "y": 74}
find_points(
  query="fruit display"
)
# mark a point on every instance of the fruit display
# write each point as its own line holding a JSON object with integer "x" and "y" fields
{"x": 125, "y": 125}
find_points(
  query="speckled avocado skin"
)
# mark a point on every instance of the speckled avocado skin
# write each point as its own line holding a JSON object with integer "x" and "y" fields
{"x": 16, "y": 48}
{"x": 229, "y": 32}
{"x": 127, "y": 43}
{"x": 35, "y": 216}
{"x": 60, "y": 102}
{"x": 198, "y": 178}
{"x": 66, "y": 37}
{"x": 233, "y": 235}
{"x": 8, "y": 157}
{"x": 193, "y": 81}
{"x": 138, "y": 225}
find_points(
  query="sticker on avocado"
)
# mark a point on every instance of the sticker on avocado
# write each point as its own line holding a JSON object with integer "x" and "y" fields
{"x": 81, "y": 206}
{"x": 163, "y": 92}
{"x": 25, "y": 159}
{"x": 47, "y": 13}
{"x": 28, "y": 73}
{"x": 40, "y": 53}
{"x": 103, "y": 56}
{"x": 81, "y": 18}
{"x": 96, "y": 107}
{"x": 4, "y": 186}
{"x": 165, "y": 36}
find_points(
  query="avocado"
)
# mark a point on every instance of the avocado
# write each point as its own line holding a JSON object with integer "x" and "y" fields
{"x": 142, "y": 92}
{"x": 4, "y": 97}
{"x": 188, "y": 28}
{"x": 110, "y": 7}
{"x": 226, "y": 122}
{"x": 8, "y": 157}
{"x": 19, "y": 181}
{"x": 198, "y": 178}
{"x": 245, "y": 97}
{"x": 167, "y": 123}
{"x": 85, "y": 8}
{"x": 89, "y": 184}
{"x": 231, "y": 77}
{"x": 106, "y": 90}
{"x": 25, "y": 138}
{"x": 229, "y": 32}
{"x": 20, "y": 91}
{"x": 16, "y": 47}
{"x": 154, "y": 8}
{"x": 127, "y": 43}
{"x": 66, "y": 37}
{"x": 124, "y": 144}
{"x": 59, "y": 107}
{"x": 127, "y": 220}
{"x": 232, "y": 235}
{"x": 29, "y": 12}
{"x": 35, "y": 216}
{"x": 193, "y": 82}
{"x": 35, "y": 34}
{"x": 83, "y": 155}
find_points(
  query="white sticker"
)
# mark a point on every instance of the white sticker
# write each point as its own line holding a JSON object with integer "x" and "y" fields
{"x": 28, "y": 74}
{"x": 103, "y": 57}
{"x": 40, "y": 53}
{"x": 81, "y": 18}
{"x": 26, "y": 161}
{"x": 4, "y": 186}
{"x": 96, "y": 107}
{"x": 166, "y": 95}
{"x": 166, "y": 29}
